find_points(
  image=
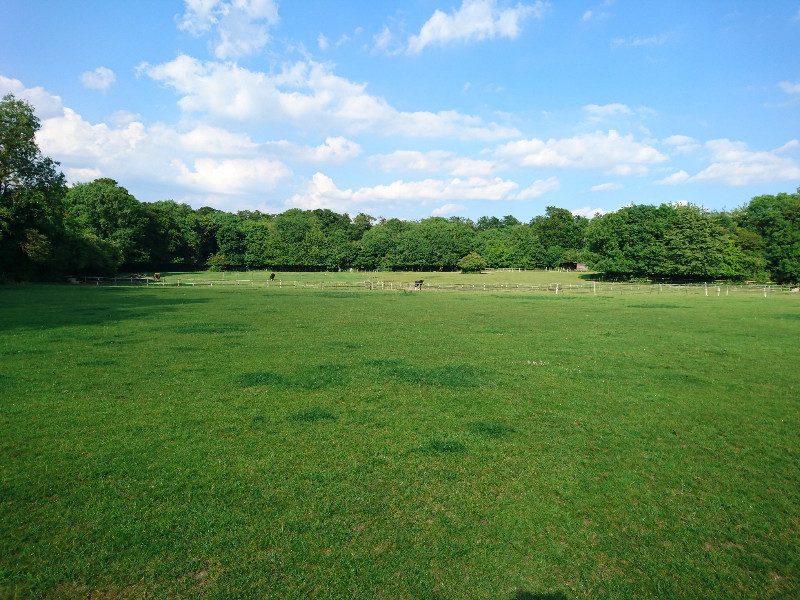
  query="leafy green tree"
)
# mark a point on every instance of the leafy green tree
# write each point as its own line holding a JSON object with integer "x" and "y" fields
{"x": 668, "y": 241}
{"x": 261, "y": 244}
{"x": 378, "y": 247}
{"x": 230, "y": 238}
{"x": 110, "y": 212}
{"x": 173, "y": 235}
{"x": 487, "y": 223}
{"x": 559, "y": 227}
{"x": 776, "y": 222}
{"x": 472, "y": 263}
{"x": 33, "y": 232}
{"x": 694, "y": 245}
{"x": 495, "y": 246}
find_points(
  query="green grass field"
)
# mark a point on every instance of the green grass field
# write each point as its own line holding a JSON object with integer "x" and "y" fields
{"x": 297, "y": 443}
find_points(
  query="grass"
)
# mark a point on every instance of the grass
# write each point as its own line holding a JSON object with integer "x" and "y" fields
{"x": 215, "y": 443}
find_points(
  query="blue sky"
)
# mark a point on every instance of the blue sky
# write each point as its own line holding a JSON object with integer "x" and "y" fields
{"x": 415, "y": 108}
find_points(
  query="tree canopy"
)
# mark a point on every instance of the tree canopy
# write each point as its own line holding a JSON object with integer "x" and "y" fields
{"x": 48, "y": 229}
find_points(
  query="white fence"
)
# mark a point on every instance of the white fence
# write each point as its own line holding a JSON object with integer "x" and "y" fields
{"x": 588, "y": 288}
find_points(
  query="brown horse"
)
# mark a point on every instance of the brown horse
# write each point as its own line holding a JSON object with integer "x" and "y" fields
{"x": 157, "y": 276}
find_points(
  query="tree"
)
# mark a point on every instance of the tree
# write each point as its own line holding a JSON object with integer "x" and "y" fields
{"x": 172, "y": 235}
{"x": 110, "y": 212}
{"x": 33, "y": 235}
{"x": 472, "y": 263}
{"x": 776, "y": 220}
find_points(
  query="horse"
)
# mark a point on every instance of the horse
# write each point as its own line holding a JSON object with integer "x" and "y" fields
{"x": 157, "y": 276}
{"x": 272, "y": 276}
{"x": 418, "y": 284}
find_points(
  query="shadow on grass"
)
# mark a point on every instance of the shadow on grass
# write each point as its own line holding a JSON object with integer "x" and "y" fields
{"x": 52, "y": 306}
{"x": 443, "y": 447}
{"x": 523, "y": 595}
{"x": 491, "y": 430}
{"x": 450, "y": 376}
{"x": 314, "y": 378}
{"x": 312, "y": 415}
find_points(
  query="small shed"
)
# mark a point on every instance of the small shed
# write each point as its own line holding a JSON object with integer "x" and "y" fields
{"x": 574, "y": 266}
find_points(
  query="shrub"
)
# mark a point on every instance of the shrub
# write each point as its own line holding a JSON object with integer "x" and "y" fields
{"x": 472, "y": 263}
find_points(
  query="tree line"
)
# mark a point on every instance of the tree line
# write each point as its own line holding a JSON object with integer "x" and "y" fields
{"x": 49, "y": 229}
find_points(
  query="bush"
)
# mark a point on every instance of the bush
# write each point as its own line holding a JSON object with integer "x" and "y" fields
{"x": 218, "y": 262}
{"x": 472, "y": 263}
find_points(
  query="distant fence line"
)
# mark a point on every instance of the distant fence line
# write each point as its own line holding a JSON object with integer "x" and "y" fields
{"x": 589, "y": 288}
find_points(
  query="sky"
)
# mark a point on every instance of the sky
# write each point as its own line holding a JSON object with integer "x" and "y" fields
{"x": 415, "y": 108}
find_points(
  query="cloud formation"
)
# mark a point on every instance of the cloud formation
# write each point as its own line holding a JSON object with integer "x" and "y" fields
{"x": 732, "y": 163}
{"x": 607, "y": 187}
{"x": 308, "y": 95}
{"x": 435, "y": 161}
{"x": 609, "y": 152}
{"x": 99, "y": 79}
{"x": 241, "y": 27}
{"x": 789, "y": 87}
{"x": 475, "y": 20}
{"x": 322, "y": 192}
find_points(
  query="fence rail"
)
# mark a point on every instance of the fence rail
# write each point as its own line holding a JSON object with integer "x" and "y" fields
{"x": 588, "y": 288}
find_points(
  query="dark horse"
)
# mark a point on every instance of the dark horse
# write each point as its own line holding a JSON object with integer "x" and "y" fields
{"x": 418, "y": 284}
{"x": 272, "y": 276}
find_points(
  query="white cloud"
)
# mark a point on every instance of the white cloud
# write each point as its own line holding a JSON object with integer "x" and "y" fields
{"x": 323, "y": 42}
{"x": 70, "y": 137}
{"x": 598, "y": 112}
{"x": 681, "y": 143}
{"x": 674, "y": 178}
{"x": 231, "y": 176}
{"x": 45, "y": 103}
{"x": 435, "y": 161}
{"x": 587, "y": 16}
{"x": 241, "y": 26}
{"x": 734, "y": 164}
{"x": 448, "y": 210}
{"x": 634, "y": 41}
{"x": 611, "y": 153}
{"x": 310, "y": 96}
{"x": 607, "y": 187}
{"x": 83, "y": 175}
{"x": 474, "y": 20}
{"x": 99, "y": 79}
{"x": 322, "y": 192}
{"x": 222, "y": 162}
{"x": 588, "y": 212}
{"x": 335, "y": 150}
{"x": 539, "y": 188}
{"x": 789, "y": 87}
{"x": 386, "y": 42}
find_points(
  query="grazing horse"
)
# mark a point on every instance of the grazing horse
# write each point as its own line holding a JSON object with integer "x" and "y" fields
{"x": 272, "y": 276}
{"x": 418, "y": 284}
{"x": 157, "y": 276}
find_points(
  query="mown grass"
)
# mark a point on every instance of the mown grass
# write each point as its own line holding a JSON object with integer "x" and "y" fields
{"x": 219, "y": 442}
{"x": 389, "y": 277}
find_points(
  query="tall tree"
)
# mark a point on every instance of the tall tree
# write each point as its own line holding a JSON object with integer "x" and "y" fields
{"x": 776, "y": 220}
{"x": 33, "y": 233}
{"x": 559, "y": 232}
{"x": 110, "y": 212}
